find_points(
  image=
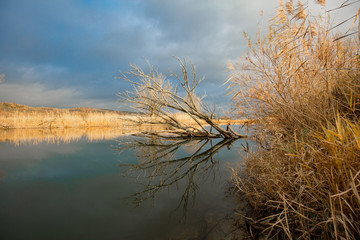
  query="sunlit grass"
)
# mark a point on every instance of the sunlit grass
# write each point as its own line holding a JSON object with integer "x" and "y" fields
{"x": 16, "y": 116}
{"x": 302, "y": 83}
{"x": 21, "y": 124}
{"x": 20, "y": 116}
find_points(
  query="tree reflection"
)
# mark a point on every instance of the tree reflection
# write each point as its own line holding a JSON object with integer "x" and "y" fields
{"x": 164, "y": 163}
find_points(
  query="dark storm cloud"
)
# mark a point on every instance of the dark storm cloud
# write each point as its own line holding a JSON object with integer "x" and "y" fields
{"x": 73, "y": 49}
{"x": 68, "y": 53}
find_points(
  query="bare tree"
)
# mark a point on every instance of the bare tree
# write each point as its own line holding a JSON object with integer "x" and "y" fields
{"x": 154, "y": 95}
{"x": 146, "y": 89}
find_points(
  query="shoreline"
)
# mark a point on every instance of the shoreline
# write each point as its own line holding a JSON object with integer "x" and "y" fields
{"x": 119, "y": 124}
{"x": 18, "y": 116}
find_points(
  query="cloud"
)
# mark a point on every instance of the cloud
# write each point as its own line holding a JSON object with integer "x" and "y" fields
{"x": 62, "y": 45}
{"x": 36, "y": 94}
{"x": 80, "y": 45}
{"x": 27, "y": 73}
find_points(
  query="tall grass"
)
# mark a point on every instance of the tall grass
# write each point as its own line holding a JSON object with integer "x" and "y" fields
{"x": 63, "y": 119}
{"x": 302, "y": 82}
{"x": 21, "y": 116}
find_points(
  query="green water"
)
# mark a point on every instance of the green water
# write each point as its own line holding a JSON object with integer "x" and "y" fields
{"x": 112, "y": 189}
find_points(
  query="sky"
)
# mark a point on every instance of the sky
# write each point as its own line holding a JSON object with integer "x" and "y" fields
{"x": 69, "y": 53}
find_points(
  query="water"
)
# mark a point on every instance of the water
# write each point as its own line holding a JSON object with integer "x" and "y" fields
{"x": 113, "y": 189}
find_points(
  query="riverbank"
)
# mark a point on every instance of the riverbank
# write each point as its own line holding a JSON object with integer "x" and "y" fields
{"x": 18, "y": 116}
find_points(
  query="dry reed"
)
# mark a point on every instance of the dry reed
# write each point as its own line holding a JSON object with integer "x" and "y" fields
{"x": 302, "y": 83}
{"x": 21, "y": 116}
{"x": 16, "y": 116}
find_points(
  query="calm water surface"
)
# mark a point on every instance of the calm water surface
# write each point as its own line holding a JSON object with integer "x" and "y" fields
{"x": 123, "y": 188}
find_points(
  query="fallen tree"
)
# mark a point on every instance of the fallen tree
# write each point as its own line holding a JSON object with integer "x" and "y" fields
{"x": 161, "y": 99}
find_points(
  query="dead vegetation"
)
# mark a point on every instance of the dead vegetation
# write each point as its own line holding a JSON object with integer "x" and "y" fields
{"x": 302, "y": 81}
{"x": 20, "y": 116}
{"x": 161, "y": 98}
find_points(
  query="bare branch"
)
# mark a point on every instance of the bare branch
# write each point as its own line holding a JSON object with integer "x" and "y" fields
{"x": 157, "y": 96}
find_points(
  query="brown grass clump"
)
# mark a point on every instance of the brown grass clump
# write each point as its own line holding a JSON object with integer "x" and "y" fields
{"x": 294, "y": 74}
{"x": 302, "y": 83}
{"x": 308, "y": 188}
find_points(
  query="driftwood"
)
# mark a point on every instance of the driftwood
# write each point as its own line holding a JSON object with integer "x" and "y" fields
{"x": 154, "y": 95}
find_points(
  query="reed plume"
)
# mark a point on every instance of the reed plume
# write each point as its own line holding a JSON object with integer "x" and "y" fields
{"x": 321, "y": 2}
{"x": 302, "y": 83}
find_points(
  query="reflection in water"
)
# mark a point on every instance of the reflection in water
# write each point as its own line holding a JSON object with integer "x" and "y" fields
{"x": 68, "y": 135}
{"x": 75, "y": 191}
{"x": 163, "y": 163}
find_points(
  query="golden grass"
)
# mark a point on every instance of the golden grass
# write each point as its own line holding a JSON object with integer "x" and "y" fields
{"x": 187, "y": 120}
{"x": 309, "y": 187}
{"x": 60, "y": 120}
{"x": 20, "y": 116}
{"x": 302, "y": 82}
{"x": 26, "y": 125}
